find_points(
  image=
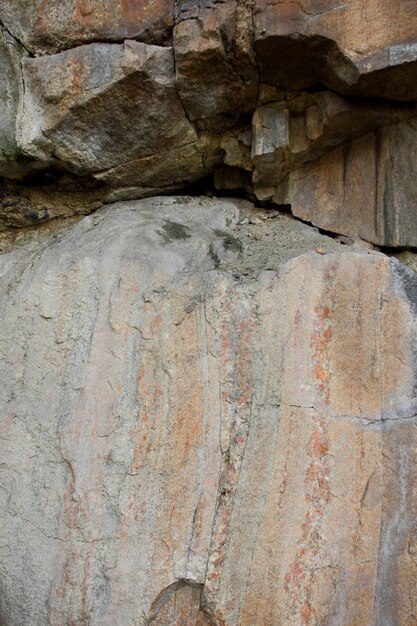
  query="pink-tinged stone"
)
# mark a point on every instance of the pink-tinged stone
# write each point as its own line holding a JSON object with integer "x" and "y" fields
{"x": 46, "y": 26}
{"x": 365, "y": 188}
{"x": 366, "y": 47}
{"x": 185, "y": 444}
{"x": 323, "y": 510}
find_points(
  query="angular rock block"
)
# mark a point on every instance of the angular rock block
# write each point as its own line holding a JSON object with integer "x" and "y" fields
{"x": 294, "y": 131}
{"x": 365, "y": 188}
{"x": 213, "y": 89}
{"x": 47, "y": 26}
{"x": 215, "y": 65}
{"x": 100, "y": 105}
{"x": 182, "y": 444}
{"x": 363, "y": 47}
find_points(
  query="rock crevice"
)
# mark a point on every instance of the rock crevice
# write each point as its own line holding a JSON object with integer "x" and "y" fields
{"x": 244, "y": 92}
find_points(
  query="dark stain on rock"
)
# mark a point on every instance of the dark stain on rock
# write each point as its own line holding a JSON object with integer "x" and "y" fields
{"x": 229, "y": 241}
{"x": 31, "y": 215}
{"x": 408, "y": 280}
{"x": 173, "y": 231}
{"x": 213, "y": 254}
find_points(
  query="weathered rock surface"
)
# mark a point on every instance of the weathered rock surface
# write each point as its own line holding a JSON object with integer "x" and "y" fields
{"x": 12, "y": 162}
{"x": 96, "y": 106}
{"x": 367, "y": 47}
{"x": 215, "y": 65}
{"x": 300, "y": 129}
{"x": 181, "y": 438}
{"x": 364, "y": 188}
{"x": 149, "y": 97}
{"x": 47, "y": 196}
{"x": 208, "y": 412}
{"x": 47, "y": 26}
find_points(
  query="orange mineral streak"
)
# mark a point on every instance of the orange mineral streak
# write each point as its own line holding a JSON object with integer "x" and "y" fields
{"x": 42, "y": 18}
{"x": 321, "y": 339}
{"x": 298, "y": 581}
{"x": 300, "y": 576}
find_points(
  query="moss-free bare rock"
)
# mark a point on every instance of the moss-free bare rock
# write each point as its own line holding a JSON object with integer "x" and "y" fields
{"x": 365, "y": 188}
{"x": 98, "y": 105}
{"x": 366, "y": 47}
{"x": 186, "y": 443}
{"x": 215, "y": 65}
{"x": 48, "y": 26}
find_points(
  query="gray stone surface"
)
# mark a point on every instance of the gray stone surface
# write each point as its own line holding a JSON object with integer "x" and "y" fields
{"x": 11, "y": 88}
{"x": 174, "y": 425}
{"x": 99, "y": 105}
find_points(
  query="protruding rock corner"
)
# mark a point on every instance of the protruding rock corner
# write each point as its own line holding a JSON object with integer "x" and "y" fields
{"x": 208, "y": 225}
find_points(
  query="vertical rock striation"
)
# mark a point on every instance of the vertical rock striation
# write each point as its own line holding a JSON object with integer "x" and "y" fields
{"x": 175, "y": 434}
{"x": 208, "y": 409}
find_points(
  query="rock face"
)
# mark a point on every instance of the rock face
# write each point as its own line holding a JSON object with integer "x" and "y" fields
{"x": 148, "y": 97}
{"x": 366, "y": 47}
{"x": 84, "y": 99}
{"x": 208, "y": 407}
{"x": 47, "y": 26}
{"x": 363, "y": 188}
{"x": 181, "y": 440}
{"x": 12, "y": 162}
{"x": 215, "y": 64}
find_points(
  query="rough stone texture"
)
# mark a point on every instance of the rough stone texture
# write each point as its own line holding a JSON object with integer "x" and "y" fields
{"x": 9, "y": 97}
{"x": 365, "y": 188}
{"x": 215, "y": 65}
{"x": 367, "y": 47}
{"x": 110, "y": 448}
{"x": 149, "y": 97}
{"x": 208, "y": 410}
{"x": 300, "y": 129}
{"x": 96, "y": 106}
{"x": 166, "y": 170}
{"x": 310, "y": 533}
{"x": 47, "y": 196}
{"x": 46, "y": 26}
{"x": 79, "y": 103}
{"x": 181, "y": 440}
{"x": 12, "y": 163}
